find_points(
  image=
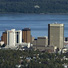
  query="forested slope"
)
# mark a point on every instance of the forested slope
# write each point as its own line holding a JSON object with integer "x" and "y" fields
{"x": 34, "y": 6}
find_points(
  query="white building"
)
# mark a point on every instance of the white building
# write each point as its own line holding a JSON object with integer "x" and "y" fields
{"x": 13, "y": 37}
{"x": 1, "y": 43}
{"x": 18, "y": 37}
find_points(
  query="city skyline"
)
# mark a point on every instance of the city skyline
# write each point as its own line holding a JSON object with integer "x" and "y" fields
{"x": 55, "y": 37}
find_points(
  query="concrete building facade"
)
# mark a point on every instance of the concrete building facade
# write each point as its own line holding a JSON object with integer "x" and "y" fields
{"x": 18, "y": 35}
{"x": 11, "y": 37}
{"x": 56, "y": 35}
{"x": 42, "y": 41}
{"x": 34, "y": 43}
{"x": 14, "y": 37}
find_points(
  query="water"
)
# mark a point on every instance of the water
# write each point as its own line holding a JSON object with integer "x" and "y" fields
{"x": 37, "y": 22}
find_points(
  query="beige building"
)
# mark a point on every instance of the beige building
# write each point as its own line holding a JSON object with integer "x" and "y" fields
{"x": 32, "y": 39}
{"x": 34, "y": 43}
{"x": 56, "y": 35}
{"x": 40, "y": 43}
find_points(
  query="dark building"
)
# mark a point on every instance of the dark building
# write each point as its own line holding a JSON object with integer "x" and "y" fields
{"x": 66, "y": 38}
{"x": 4, "y": 37}
{"x": 26, "y": 35}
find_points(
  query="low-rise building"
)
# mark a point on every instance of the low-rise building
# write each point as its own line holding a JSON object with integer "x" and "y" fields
{"x": 1, "y": 43}
{"x": 40, "y": 43}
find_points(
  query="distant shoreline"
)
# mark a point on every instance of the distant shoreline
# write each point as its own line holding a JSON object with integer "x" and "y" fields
{"x": 30, "y": 13}
{"x": 34, "y": 6}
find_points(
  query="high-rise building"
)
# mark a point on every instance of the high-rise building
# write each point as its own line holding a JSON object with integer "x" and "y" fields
{"x": 14, "y": 37}
{"x": 18, "y": 35}
{"x": 4, "y": 37}
{"x": 26, "y": 35}
{"x": 56, "y": 35}
{"x": 11, "y": 37}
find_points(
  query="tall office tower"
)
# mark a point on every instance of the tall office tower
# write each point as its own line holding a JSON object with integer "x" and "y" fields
{"x": 18, "y": 34}
{"x": 11, "y": 37}
{"x": 26, "y": 35}
{"x": 4, "y": 37}
{"x": 14, "y": 37}
{"x": 56, "y": 35}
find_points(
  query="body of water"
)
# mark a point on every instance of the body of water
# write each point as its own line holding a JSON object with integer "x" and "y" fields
{"x": 38, "y": 23}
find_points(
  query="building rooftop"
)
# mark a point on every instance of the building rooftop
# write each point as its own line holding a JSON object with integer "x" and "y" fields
{"x": 56, "y": 24}
{"x": 26, "y": 29}
{"x": 4, "y": 32}
{"x": 42, "y": 37}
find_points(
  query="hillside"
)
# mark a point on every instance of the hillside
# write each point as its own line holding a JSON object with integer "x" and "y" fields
{"x": 34, "y": 6}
